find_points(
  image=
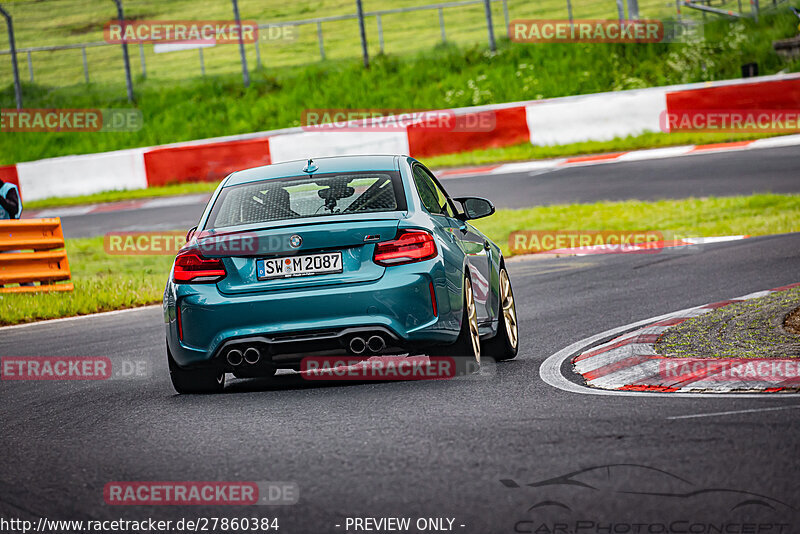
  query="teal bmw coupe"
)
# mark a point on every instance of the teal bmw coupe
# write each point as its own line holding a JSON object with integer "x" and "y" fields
{"x": 359, "y": 255}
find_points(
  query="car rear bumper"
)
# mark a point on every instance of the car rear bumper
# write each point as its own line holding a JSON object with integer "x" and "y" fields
{"x": 311, "y": 320}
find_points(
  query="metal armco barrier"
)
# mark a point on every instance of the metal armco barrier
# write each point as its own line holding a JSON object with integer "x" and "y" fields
{"x": 28, "y": 253}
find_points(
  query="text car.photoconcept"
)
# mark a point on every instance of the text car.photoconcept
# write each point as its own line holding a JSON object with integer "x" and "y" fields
{"x": 359, "y": 255}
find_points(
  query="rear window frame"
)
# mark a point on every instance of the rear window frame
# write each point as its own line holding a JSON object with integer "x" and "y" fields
{"x": 394, "y": 175}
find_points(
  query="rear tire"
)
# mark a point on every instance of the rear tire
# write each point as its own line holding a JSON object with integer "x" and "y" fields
{"x": 468, "y": 343}
{"x": 505, "y": 344}
{"x": 208, "y": 380}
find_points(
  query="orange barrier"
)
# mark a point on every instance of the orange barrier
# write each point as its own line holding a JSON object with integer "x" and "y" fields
{"x": 28, "y": 254}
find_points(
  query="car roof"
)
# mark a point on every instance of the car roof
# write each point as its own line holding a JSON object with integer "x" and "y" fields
{"x": 325, "y": 165}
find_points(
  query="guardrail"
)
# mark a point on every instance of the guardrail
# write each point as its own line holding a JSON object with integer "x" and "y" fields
{"x": 29, "y": 252}
{"x": 315, "y": 23}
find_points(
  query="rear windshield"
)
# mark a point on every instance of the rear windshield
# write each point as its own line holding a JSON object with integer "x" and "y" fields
{"x": 307, "y": 196}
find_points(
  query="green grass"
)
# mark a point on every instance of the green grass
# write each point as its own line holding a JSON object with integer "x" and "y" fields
{"x": 441, "y": 77}
{"x": 79, "y": 21}
{"x": 749, "y": 329}
{"x": 104, "y": 282}
{"x": 694, "y": 217}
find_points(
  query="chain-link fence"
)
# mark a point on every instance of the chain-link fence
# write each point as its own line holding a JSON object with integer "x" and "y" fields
{"x": 61, "y": 43}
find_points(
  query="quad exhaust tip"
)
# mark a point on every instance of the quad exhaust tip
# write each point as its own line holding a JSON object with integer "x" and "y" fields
{"x": 373, "y": 345}
{"x": 376, "y": 344}
{"x": 252, "y": 355}
{"x": 358, "y": 345}
{"x": 234, "y": 357}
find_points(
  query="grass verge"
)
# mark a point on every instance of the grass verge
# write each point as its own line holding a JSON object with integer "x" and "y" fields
{"x": 750, "y": 329}
{"x": 104, "y": 282}
{"x": 761, "y": 214}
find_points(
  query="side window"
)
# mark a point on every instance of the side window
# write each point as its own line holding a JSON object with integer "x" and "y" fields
{"x": 431, "y": 195}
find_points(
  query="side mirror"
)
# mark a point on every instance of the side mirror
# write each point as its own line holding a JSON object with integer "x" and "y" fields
{"x": 191, "y": 232}
{"x": 475, "y": 207}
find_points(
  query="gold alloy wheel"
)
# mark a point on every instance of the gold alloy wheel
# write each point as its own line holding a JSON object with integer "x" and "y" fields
{"x": 472, "y": 318}
{"x": 509, "y": 309}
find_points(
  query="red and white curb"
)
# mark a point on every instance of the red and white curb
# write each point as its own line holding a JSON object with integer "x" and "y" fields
{"x": 546, "y": 122}
{"x": 630, "y": 362}
{"x": 617, "y": 157}
{"x": 148, "y": 203}
{"x": 488, "y": 170}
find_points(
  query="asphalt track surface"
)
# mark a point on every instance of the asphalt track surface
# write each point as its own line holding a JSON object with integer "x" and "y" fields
{"x": 775, "y": 170}
{"x": 432, "y": 448}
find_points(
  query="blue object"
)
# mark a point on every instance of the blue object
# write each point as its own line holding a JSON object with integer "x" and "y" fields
{"x": 4, "y": 190}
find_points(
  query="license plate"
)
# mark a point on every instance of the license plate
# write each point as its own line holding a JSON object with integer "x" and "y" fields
{"x": 299, "y": 266}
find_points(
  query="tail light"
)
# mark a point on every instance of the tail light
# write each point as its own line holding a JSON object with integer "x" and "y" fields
{"x": 180, "y": 322}
{"x": 409, "y": 246}
{"x": 191, "y": 266}
{"x": 433, "y": 300}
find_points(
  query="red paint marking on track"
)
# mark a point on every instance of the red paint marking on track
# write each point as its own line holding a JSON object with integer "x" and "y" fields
{"x": 721, "y": 304}
{"x": 638, "y": 387}
{"x": 671, "y": 322}
{"x": 474, "y": 170}
{"x": 720, "y": 146}
{"x": 596, "y": 157}
{"x": 642, "y": 338}
{"x": 784, "y": 288}
{"x": 617, "y": 366}
{"x": 651, "y": 247}
{"x": 696, "y": 376}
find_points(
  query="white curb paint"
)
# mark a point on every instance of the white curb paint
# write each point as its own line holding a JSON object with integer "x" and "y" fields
{"x": 325, "y": 143}
{"x": 72, "y": 176}
{"x": 600, "y": 117}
